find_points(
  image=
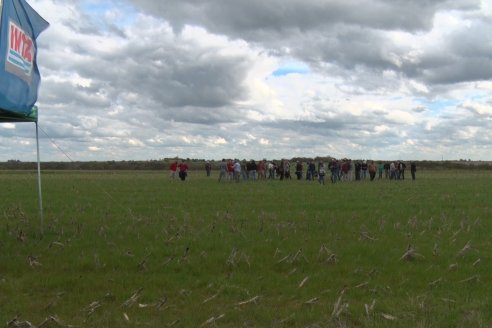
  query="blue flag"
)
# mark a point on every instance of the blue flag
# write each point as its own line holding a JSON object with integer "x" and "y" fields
{"x": 20, "y": 25}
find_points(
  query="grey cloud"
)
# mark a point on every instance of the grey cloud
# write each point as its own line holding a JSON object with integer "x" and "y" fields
{"x": 465, "y": 56}
{"x": 448, "y": 130}
{"x": 172, "y": 79}
{"x": 341, "y": 127}
{"x": 462, "y": 70}
{"x": 420, "y": 109}
{"x": 68, "y": 95}
{"x": 344, "y": 46}
{"x": 22, "y": 130}
{"x": 249, "y": 19}
{"x": 474, "y": 41}
{"x": 200, "y": 115}
{"x": 349, "y": 34}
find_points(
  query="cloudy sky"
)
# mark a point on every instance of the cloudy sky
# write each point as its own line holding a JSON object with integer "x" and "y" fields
{"x": 147, "y": 79}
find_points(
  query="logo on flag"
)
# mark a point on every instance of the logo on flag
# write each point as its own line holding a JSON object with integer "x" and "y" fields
{"x": 20, "y": 25}
{"x": 20, "y": 53}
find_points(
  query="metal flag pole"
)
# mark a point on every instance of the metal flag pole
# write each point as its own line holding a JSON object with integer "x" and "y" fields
{"x": 40, "y": 196}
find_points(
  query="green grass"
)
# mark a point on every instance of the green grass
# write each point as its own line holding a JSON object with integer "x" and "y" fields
{"x": 264, "y": 254}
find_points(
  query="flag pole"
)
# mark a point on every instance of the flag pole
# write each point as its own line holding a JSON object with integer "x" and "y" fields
{"x": 40, "y": 197}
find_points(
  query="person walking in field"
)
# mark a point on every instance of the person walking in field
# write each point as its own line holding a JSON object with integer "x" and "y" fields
{"x": 222, "y": 170}
{"x": 397, "y": 170}
{"x": 287, "y": 170}
{"x": 172, "y": 170}
{"x": 351, "y": 168}
{"x": 392, "y": 171}
{"x": 299, "y": 170}
{"x": 183, "y": 170}
{"x": 386, "y": 170}
{"x": 237, "y": 171}
{"x": 308, "y": 170}
{"x": 321, "y": 173}
{"x": 208, "y": 168}
{"x": 271, "y": 170}
{"x": 252, "y": 170}
{"x": 372, "y": 170}
{"x": 413, "y": 170}
{"x": 311, "y": 170}
{"x": 345, "y": 167}
{"x": 363, "y": 170}
{"x": 261, "y": 170}
{"x": 380, "y": 170}
{"x": 334, "y": 170}
{"x": 230, "y": 170}
{"x": 245, "y": 170}
{"x": 402, "y": 170}
{"x": 357, "y": 171}
{"x": 280, "y": 169}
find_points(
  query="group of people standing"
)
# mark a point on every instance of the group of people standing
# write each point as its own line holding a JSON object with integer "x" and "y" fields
{"x": 347, "y": 170}
{"x": 393, "y": 170}
{"x": 235, "y": 170}
{"x": 181, "y": 168}
{"x": 339, "y": 170}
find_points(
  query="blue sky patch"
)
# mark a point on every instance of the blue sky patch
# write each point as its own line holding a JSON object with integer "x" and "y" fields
{"x": 438, "y": 104}
{"x": 98, "y": 9}
{"x": 292, "y": 68}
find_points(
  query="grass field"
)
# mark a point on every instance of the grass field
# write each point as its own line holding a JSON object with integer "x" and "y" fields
{"x": 134, "y": 249}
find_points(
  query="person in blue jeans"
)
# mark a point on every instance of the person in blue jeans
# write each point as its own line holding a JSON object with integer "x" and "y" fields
{"x": 334, "y": 171}
{"x": 363, "y": 170}
{"x": 321, "y": 173}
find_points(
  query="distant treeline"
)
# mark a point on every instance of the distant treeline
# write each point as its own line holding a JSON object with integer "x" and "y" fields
{"x": 199, "y": 164}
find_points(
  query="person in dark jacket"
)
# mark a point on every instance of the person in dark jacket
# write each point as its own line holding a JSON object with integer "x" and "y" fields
{"x": 299, "y": 170}
{"x": 357, "y": 171}
{"x": 413, "y": 169}
{"x": 363, "y": 169}
{"x": 334, "y": 168}
{"x": 183, "y": 170}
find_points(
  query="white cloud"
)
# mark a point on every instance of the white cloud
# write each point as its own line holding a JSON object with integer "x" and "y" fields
{"x": 264, "y": 141}
{"x": 135, "y": 143}
{"x": 402, "y": 117}
{"x": 9, "y": 126}
{"x": 482, "y": 109}
{"x": 381, "y": 129}
{"x": 219, "y": 141}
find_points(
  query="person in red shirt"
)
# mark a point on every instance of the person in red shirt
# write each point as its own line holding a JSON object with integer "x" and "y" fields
{"x": 183, "y": 170}
{"x": 230, "y": 170}
{"x": 172, "y": 170}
